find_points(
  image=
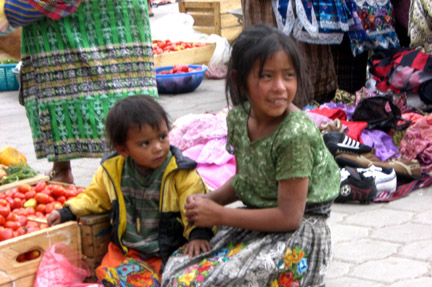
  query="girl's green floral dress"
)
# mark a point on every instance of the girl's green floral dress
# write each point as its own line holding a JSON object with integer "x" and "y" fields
{"x": 74, "y": 69}
{"x": 249, "y": 258}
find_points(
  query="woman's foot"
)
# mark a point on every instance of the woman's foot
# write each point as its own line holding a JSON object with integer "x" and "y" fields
{"x": 150, "y": 10}
{"x": 61, "y": 172}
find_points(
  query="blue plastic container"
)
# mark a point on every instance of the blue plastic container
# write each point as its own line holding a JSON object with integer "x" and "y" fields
{"x": 179, "y": 83}
{"x": 8, "y": 80}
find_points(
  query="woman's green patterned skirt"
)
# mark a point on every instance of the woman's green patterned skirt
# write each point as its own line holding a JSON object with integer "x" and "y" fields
{"x": 76, "y": 68}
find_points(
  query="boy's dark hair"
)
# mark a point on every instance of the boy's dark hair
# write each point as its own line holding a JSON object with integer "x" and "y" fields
{"x": 133, "y": 111}
{"x": 260, "y": 42}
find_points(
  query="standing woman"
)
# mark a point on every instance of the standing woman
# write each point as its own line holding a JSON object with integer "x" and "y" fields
{"x": 75, "y": 68}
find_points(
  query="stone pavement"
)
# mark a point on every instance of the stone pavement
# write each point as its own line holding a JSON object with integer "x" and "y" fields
{"x": 375, "y": 245}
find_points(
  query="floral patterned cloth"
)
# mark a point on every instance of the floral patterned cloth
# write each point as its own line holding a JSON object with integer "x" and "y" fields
{"x": 256, "y": 259}
{"x": 130, "y": 273}
{"x": 378, "y": 21}
{"x": 420, "y": 25}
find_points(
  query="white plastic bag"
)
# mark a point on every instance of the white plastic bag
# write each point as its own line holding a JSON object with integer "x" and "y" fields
{"x": 218, "y": 64}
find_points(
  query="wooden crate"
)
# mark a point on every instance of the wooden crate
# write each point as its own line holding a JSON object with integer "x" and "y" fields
{"x": 23, "y": 274}
{"x": 212, "y": 17}
{"x": 197, "y": 56}
{"x": 95, "y": 236}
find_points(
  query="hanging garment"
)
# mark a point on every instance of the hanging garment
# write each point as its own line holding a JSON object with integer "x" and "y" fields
{"x": 400, "y": 70}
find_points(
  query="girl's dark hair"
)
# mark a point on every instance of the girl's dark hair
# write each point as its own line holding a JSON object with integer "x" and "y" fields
{"x": 133, "y": 111}
{"x": 260, "y": 42}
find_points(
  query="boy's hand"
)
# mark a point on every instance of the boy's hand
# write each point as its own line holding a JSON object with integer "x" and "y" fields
{"x": 195, "y": 246}
{"x": 53, "y": 218}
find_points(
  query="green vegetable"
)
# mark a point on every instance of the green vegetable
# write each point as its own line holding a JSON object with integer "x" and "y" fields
{"x": 8, "y": 61}
{"x": 16, "y": 173}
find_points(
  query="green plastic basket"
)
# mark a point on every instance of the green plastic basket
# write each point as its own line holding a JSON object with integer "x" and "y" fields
{"x": 8, "y": 80}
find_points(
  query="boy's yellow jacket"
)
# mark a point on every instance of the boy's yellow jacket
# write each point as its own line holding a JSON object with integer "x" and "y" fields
{"x": 104, "y": 194}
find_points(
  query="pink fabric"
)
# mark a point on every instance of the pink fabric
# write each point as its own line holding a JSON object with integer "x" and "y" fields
{"x": 194, "y": 129}
{"x": 319, "y": 119}
{"x": 417, "y": 141}
{"x": 215, "y": 170}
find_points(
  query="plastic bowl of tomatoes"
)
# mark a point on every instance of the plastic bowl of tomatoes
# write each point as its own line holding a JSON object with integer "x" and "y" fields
{"x": 179, "y": 79}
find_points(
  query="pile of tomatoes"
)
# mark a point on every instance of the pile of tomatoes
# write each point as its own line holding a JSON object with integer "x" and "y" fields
{"x": 166, "y": 46}
{"x": 24, "y": 207}
{"x": 179, "y": 69}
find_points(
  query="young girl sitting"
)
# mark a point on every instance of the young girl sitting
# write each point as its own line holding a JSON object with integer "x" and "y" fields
{"x": 144, "y": 186}
{"x": 285, "y": 176}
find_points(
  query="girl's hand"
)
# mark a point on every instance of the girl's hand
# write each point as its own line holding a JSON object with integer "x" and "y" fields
{"x": 53, "y": 218}
{"x": 202, "y": 212}
{"x": 195, "y": 246}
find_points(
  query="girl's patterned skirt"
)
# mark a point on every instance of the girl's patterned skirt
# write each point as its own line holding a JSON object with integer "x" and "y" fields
{"x": 248, "y": 258}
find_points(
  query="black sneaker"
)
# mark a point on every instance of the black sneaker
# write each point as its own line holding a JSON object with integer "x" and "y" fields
{"x": 338, "y": 143}
{"x": 356, "y": 187}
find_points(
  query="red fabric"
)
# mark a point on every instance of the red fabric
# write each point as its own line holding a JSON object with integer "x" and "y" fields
{"x": 355, "y": 129}
{"x": 114, "y": 257}
{"x": 330, "y": 113}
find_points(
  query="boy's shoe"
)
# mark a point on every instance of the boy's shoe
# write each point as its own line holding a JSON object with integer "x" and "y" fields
{"x": 338, "y": 143}
{"x": 356, "y": 186}
{"x": 385, "y": 178}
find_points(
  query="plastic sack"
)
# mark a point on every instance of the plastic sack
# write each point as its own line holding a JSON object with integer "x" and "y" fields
{"x": 60, "y": 266}
{"x": 217, "y": 66}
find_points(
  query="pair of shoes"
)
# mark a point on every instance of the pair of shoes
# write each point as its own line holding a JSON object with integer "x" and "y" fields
{"x": 385, "y": 178}
{"x": 355, "y": 186}
{"x": 405, "y": 168}
{"x": 338, "y": 142}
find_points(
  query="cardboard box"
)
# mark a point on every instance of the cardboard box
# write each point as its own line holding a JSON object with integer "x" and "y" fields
{"x": 23, "y": 274}
{"x": 212, "y": 17}
{"x": 192, "y": 56}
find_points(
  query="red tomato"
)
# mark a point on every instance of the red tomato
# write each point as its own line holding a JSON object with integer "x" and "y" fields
{"x": 43, "y": 225}
{"x": 30, "y": 211}
{"x": 5, "y": 233}
{"x": 47, "y": 191}
{"x": 11, "y": 192}
{"x": 39, "y": 214}
{"x": 17, "y": 203}
{"x": 21, "y": 258}
{"x": 23, "y": 188}
{"x": 11, "y": 217}
{"x": 3, "y": 202}
{"x": 30, "y": 194}
{"x": 61, "y": 199}
{"x": 40, "y": 208}
{"x": 21, "y": 231}
{"x": 2, "y": 220}
{"x": 32, "y": 254}
{"x": 12, "y": 225}
{"x": 40, "y": 186}
{"x": 32, "y": 229}
{"x": 57, "y": 190}
{"x": 49, "y": 207}
{"x": 2, "y": 195}
{"x": 19, "y": 195}
{"x": 20, "y": 211}
{"x": 70, "y": 193}
{"x": 5, "y": 210}
{"x": 22, "y": 220}
{"x": 43, "y": 198}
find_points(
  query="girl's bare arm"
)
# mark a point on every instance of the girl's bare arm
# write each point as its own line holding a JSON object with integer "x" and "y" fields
{"x": 285, "y": 217}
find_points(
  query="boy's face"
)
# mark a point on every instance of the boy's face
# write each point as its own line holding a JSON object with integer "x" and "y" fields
{"x": 146, "y": 146}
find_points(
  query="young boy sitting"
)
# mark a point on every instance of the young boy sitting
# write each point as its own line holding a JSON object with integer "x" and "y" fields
{"x": 144, "y": 185}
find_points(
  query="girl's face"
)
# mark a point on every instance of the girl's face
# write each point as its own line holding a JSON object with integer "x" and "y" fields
{"x": 146, "y": 146}
{"x": 271, "y": 93}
